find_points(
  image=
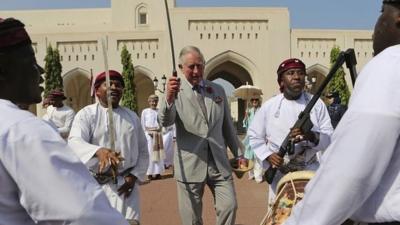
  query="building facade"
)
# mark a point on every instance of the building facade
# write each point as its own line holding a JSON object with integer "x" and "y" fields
{"x": 240, "y": 45}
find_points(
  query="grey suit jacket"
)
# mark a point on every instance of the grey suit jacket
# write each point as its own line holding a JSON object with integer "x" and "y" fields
{"x": 196, "y": 136}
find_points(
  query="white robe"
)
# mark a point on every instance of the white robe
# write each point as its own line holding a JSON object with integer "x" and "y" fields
{"x": 272, "y": 123}
{"x": 89, "y": 132}
{"x": 41, "y": 179}
{"x": 149, "y": 120}
{"x": 169, "y": 145}
{"x": 359, "y": 177}
{"x": 61, "y": 117}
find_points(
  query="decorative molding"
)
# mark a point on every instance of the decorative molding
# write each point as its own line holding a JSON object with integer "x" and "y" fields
{"x": 77, "y": 46}
{"x": 140, "y": 48}
{"x": 228, "y": 29}
{"x": 363, "y": 48}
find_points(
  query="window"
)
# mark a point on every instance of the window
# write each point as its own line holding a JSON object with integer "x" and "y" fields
{"x": 143, "y": 18}
{"x": 142, "y": 15}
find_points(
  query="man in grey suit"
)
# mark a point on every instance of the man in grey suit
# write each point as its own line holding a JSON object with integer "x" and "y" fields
{"x": 204, "y": 128}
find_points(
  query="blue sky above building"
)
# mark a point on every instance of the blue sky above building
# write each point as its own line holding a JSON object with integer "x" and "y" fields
{"x": 306, "y": 14}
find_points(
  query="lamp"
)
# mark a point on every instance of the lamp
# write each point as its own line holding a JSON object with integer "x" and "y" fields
{"x": 310, "y": 82}
{"x": 313, "y": 80}
{"x": 163, "y": 82}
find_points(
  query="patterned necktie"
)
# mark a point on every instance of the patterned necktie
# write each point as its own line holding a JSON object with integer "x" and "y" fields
{"x": 200, "y": 99}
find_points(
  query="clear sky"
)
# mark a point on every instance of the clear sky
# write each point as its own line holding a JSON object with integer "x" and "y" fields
{"x": 324, "y": 14}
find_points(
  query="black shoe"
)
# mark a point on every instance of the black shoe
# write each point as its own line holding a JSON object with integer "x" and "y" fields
{"x": 149, "y": 177}
{"x": 158, "y": 177}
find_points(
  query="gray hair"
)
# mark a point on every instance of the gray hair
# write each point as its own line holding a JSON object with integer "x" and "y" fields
{"x": 189, "y": 49}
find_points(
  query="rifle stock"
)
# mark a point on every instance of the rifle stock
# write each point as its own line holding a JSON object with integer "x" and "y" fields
{"x": 303, "y": 122}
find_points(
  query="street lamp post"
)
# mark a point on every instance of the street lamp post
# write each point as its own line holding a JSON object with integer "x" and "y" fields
{"x": 163, "y": 82}
{"x": 310, "y": 82}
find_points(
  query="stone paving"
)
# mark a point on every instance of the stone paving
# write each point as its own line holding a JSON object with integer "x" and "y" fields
{"x": 159, "y": 202}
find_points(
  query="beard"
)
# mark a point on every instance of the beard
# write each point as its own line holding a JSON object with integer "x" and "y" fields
{"x": 292, "y": 94}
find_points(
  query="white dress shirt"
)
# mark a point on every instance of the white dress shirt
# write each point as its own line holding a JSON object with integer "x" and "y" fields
{"x": 62, "y": 117}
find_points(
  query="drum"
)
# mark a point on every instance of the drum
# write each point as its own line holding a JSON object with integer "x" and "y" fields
{"x": 290, "y": 190}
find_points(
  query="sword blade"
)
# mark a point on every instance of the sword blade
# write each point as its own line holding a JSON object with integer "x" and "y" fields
{"x": 111, "y": 130}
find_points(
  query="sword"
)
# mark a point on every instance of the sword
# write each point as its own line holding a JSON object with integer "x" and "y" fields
{"x": 111, "y": 130}
{"x": 174, "y": 73}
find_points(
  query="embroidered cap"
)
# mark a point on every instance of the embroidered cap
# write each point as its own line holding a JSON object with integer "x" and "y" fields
{"x": 391, "y": 1}
{"x": 292, "y": 63}
{"x": 114, "y": 75}
{"x": 12, "y": 35}
{"x": 57, "y": 94}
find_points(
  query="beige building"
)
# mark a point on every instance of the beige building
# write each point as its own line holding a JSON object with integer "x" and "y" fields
{"x": 241, "y": 45}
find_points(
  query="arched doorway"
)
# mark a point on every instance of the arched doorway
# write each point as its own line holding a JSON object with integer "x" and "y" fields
{"x": 316, "y": 74}
{"x": 77, "y": 89}
{"x": 231, "y": 76}
{"x": 144, "y": 87}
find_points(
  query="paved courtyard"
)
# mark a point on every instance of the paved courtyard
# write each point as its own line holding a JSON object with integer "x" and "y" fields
{"x": 159, "y": 202}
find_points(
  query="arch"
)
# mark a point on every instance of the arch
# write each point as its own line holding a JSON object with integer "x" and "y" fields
{"x": 318, "y": 68}
{"x": 77, "y": 88}
{"x": 237, "y": 70}
{"x": 315, "y": 75}
{"x": 144, "y": 86}
{"x": 233, "y": 57}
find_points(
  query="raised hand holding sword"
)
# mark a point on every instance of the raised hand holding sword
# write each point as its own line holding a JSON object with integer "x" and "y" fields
{"x": 109, "y": 158}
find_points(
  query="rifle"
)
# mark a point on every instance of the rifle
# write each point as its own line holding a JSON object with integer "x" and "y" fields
{"x": 304, "y": 122}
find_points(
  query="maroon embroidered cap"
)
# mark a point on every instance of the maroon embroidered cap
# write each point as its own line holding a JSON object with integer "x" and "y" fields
{"x": 12, "y": 34}
{"x": 391, "y": 1}
{"x": 290, "y": 64}
{"x": 114, "y": 75}
{"x": 57, "y": 94}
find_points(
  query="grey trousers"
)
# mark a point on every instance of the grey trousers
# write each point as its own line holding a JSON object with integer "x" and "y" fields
{"x": 190, "y": 199}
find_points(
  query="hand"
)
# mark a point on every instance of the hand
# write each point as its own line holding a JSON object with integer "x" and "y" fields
{"x": 108, "y": 157}
{"x": 298, "y": 135}
{"x": 128, "y": 186}
{"x": 275, "y": 160}
{"x": 173, "y": 87}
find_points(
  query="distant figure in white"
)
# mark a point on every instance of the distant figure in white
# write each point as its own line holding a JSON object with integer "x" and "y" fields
{"x": 154, "y": 138}
{"x": 169, "y": 145}
{"x": 59, "y": 114}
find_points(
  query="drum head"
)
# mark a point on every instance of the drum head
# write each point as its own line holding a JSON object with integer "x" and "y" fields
{"x": 297, "y": 175}
{"x": 290, "y": 190}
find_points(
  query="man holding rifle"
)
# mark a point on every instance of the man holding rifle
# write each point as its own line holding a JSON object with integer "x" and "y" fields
{"x": 275, "y": 120}
{"x": 359, "y": 177}
{"x": 130, "y": 157}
